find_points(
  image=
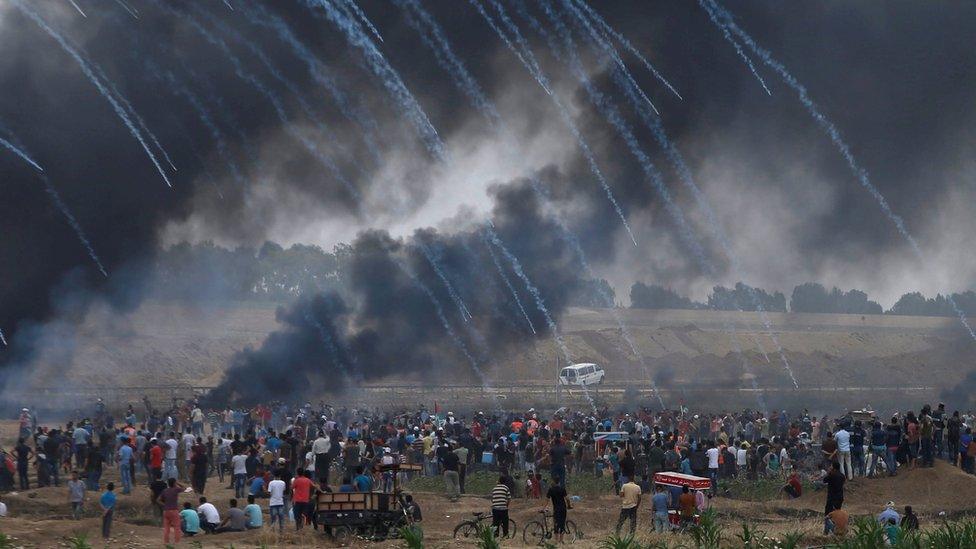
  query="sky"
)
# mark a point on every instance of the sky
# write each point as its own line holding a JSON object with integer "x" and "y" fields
{"x": 282, "y": 128}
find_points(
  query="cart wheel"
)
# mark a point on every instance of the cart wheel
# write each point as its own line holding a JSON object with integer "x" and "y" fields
{"x": 342, "y": 535}
{"x": 375, "y": 532}
{"x": 465, "y": 530}
{"x": 572, "y": 532}
{"x": 534, "y": 533}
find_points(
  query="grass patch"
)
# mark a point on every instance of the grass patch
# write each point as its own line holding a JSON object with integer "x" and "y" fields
{"x": 757, "y": 490}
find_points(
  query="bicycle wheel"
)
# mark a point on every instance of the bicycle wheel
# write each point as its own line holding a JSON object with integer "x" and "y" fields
{"x": 467, "y": 529}
{"x": 534, "y": 533}
{"x": 512, "y": 529}
{"x": 572, "y": 532}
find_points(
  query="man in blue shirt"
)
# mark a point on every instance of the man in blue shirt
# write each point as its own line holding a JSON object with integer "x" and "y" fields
{"x": 659, "y": 505}
{"x": 125, "y": 465}
{"x": 363, "y": 482}
{"x": 107, "y": 502}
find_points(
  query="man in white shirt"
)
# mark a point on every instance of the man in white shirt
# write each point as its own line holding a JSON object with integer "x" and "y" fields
{"x": 321, "y": 448}
{"x": 169, "y": 457}
{"x": 276, "y": 501}
{"x": 742, "y": 459}
{"x": 209, "y": 515}
{"x": 843, "y": 439}
{"x": 239, "y": 463}
{"x": 712, "y": 454}
{"x": 187, "y": 442}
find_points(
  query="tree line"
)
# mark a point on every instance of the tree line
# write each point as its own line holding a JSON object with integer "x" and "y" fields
{"x": 809, "y": 297}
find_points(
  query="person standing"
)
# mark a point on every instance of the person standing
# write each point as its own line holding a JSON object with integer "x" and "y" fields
{"x": 24, "y": 453}
{"x": 301, "y": 490}
{"x": 659, "y": 505}
{"x": 320, "y": 449}
{"x": 630, "y": 497}
{"x": 239, "y": 464}
{"x": 276, "y": 501}
{"x": 712, "y": 454}
{"x": 835, "y": 491}
{"x": 107, "y": 503}
{"x": 76, "y": 495}
{"x": 843, "y": 439}
{"x": 557, "y": 461}
{"x": 560, "y": 509}
{"x": 462, "y": 453}
{"x": 500, "y": 498}
{"x": 170, "y": 500}
{"x": 169, "y": 456}
{"x": 893, "y": 435}
{"x": 125, "y": 455}
{"x": 452, "y": 477}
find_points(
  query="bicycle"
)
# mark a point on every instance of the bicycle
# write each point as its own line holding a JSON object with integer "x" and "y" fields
{"x": 468, "y": 528}
{"x": 536, "y": 532}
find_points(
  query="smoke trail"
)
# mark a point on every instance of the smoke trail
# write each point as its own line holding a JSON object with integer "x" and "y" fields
{"x": 860, "y": 173}
{"x": 56, "y": 198}
{"x": 539, "y": 302}
{"x": 564, "y": 113}
{"x": 135, "y": 114}
{"x": 610, "y": 112}
{"x": 458, "y": 302}
{"x": 24, "y": 156}
{"x": 3, "y": 339}
{"x": 354, "y": 7}
{"x": 227, "y": 3}
{"x": 86, "y": 69}
{"x": 258, "y": 15}
{"x": 330, "y": 346}
{"x": 275, "y": 101}
{"x": 290, "y": 86}
{"x": 418, "y": 18}
{"x": 439, "y": 309}
{"x": 132, "y": 11}
{"x": 625, "y": 82}
{"x": 387, "y": 74}
{"x": 218, "y": 136}
{"x": 711, "y": 10}
{"x": 508, "y": 283}
{"x": 77, "y": 7}
{"x": 626, "y": 44}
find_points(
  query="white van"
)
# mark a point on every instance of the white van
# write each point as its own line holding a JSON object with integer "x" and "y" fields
{"x": 581, "y": 374}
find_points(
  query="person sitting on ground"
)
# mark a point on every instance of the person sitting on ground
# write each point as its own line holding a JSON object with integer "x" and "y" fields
{"x": 892, "y": 532}
{"x": 236, "y": 520}
{"x": 189, "y": 520}
{"x": 256, "y": 488}
{"x": 413, "y": 510}
{"x": 889, "y": 513}
{"x": 910, "y": 520}
{"x": 793, "y": 487}
{"x": 836, "y": 522}
{"x": 209, "y": 517}
{"x": 254, "y": 518}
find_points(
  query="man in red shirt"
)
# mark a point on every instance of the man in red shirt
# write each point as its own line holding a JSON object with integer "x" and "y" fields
{"x": 155, "y": 459}
{"x": 301, "y": 489}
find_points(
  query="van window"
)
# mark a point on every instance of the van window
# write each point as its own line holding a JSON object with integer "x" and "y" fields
{"x": 589, "y": 370}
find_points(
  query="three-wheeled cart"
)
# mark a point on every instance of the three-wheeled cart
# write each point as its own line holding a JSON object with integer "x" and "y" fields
{"x": 371, "y": 515}
{"x": 679, "y": 480}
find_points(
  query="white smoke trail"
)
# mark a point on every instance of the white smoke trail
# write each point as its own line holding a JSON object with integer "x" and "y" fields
{"x": 724, "y": 20}
{"x": 564, "y": 114}
{"x": 309, "y": 145}
{"x": 627, "y": 45}
{"x": 458, "y": 302}
{"x": 86, "y": 69}
{"x": 56, "y": 198}
{"x": 77, "y": 7}
{"x": 439, "y": 310}
{"x": 135, "y": 114}
{"x": 387, "y": 74}
{"x": 536, "y": 295}
{"x": 3, "y": 339}
{"x": 258, "y": 15}
{"x": 227, "y": 3}
{"x": 361, "y": 15}
{"x": 508, "y": 283}
{"x": 710, "y": 10}
{"x": 419, "y": 19}
{"x": 132, "y": 11}
{"x": 330, "y": 346}
{"x": 612, "y": 114}
{"x": 625, "y": 82}
{"x": 24, "y": 156}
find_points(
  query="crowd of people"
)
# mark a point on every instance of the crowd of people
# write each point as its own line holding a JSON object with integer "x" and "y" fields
{"x": 281, "y": 456}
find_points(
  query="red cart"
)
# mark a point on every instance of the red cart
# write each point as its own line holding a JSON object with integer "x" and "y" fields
{"x": 694, "y": 484}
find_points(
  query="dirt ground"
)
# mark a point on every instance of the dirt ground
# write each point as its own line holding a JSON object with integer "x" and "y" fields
{"x": 41, "y": 517}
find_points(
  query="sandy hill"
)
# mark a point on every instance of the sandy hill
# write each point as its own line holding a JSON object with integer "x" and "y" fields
{"x": 192, "y": 345}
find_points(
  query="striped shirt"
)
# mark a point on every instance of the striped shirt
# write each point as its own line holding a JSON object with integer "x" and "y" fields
{"x": 500, "y": 495}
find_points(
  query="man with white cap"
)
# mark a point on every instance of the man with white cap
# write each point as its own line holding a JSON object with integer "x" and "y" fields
{"x": 889, "y": 513}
